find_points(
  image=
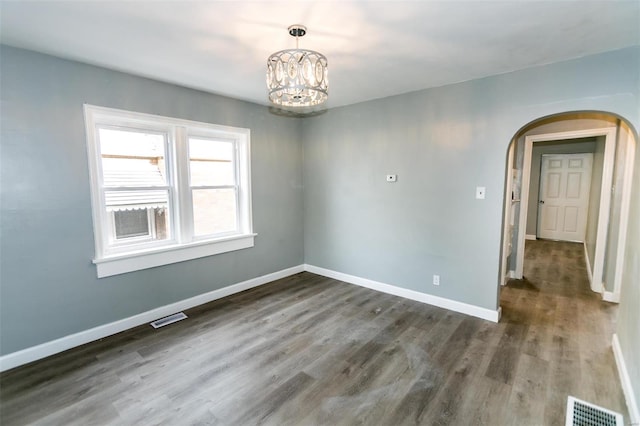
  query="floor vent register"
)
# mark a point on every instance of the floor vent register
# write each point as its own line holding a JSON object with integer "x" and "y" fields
{"x": 168, "y": 320}
{"x": 581, "y": 413}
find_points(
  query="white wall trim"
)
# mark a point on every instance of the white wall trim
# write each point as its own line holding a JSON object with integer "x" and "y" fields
{"x": 625, "y": 381}
{"x": 524, "y": 205}
{"x": 587, "y": 262}
{"x": 43, "y": 350}
{"x": 509, "y": 275}
{"x": 441, "y": 302}
{"x": 609, "y": 296}
{"x": 624, "y": 214}
{"x": 507, "y": 225}
{"x": 120, "y": 264}
{"x": 530, "y": 237}
{"x": 605, "y": 198}
{"x": 605, "y": 210}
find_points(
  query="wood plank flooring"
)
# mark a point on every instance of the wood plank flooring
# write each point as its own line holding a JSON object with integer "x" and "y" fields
{"x": 309, "y": 350}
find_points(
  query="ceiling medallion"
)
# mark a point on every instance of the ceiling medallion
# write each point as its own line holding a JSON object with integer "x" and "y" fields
{"x": 297, "y": 77}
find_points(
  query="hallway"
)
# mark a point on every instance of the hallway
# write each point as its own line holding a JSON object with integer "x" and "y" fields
{"x": 563, "y": 331}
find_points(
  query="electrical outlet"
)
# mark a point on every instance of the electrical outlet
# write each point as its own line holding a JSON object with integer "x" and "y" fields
{"x": 392, "y": 178}
{"x": 436, "y": 280}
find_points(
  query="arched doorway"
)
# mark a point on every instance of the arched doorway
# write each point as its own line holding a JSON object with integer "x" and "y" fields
{"x": 614, "y": 142}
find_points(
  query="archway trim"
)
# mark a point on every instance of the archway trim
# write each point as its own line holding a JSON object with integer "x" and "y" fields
{"x": 603, "y": 215}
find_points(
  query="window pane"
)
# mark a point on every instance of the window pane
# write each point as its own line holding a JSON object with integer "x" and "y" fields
{"x": 139, "y": 214}
{"x": 211, "y": 162}
{"x": 132, "y": 158}
{"x": 214, "y": 211}
{"x": 131, "y": 223}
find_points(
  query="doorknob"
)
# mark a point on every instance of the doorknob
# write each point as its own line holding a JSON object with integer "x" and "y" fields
{"x": 541, "y": 202}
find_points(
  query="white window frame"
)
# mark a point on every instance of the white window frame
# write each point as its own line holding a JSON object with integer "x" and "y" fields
{"x": 235, "y": 186}
{"x": 113, "y": 259}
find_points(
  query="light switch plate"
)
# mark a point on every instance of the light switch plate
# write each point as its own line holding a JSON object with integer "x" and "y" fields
{"x": 392, "y": 178}
{"x": 480, "y": 192}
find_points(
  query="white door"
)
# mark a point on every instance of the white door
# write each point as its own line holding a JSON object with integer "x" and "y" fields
{"x": 565, "y": 182}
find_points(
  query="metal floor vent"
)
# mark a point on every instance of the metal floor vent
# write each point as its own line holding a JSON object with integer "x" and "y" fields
{"x": 581, "y": 413}
{"x": 168, "y": 320}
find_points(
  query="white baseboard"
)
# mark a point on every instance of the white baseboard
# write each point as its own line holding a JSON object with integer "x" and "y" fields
{"x": 43, "y": 350}
{"x": 441, "y": 302}
{"x": 530, "y": 237}
{"x": 625, "y": 381}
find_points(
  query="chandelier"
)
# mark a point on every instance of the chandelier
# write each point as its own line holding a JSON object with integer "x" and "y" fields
{"x": 297, "y": 77}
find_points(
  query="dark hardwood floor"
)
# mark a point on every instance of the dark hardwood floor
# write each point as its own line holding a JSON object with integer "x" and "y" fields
{"x": 309, "y": 350}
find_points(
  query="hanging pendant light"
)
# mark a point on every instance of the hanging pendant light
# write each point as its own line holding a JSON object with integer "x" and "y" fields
{"x": 297, "y": 77}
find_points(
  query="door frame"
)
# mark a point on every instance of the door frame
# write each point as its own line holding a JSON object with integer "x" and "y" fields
{"x": 624, "y": 219}
{"x": 507, "y": 236}
{"x": 605, "y": 196}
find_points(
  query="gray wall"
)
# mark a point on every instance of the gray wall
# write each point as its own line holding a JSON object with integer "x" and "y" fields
{"x": 595, "y": 196}
{"x": 48, "y": 284}
{"x": 442, "y": 143}
{"x": 540, "y": 148}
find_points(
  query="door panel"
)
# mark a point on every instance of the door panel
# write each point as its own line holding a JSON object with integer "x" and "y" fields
{"x": 565, "y": 181}
{"x": 576, "y": 164}
{"x": 550, "y": 220}
{"x": 555, "y": 164}
{"x": 573, "y": 185}
{"x": 553, "y": 186}
{"x": 570, "y": 219}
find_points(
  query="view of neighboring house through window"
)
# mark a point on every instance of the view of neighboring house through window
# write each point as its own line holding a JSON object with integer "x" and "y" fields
{"x": 161, "y": 184}
{"x": 213, "y": 186}
{"x": 135, "y": 182}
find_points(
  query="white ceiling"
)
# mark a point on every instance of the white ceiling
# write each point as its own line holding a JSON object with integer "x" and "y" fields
{"x": 375, "y": 48}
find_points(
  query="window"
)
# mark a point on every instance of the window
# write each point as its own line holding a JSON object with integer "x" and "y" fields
{"x": 165, "y": 190}
{"x": 132, "y": 224}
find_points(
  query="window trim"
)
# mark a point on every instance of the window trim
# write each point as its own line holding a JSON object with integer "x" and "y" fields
{"x": 149, "y": 258}
{"x": 189, "y": 188}
{"x": 182, "y": 245}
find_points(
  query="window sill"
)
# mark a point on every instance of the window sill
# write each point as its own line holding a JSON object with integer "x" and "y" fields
{"x": 123, "y": 263}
